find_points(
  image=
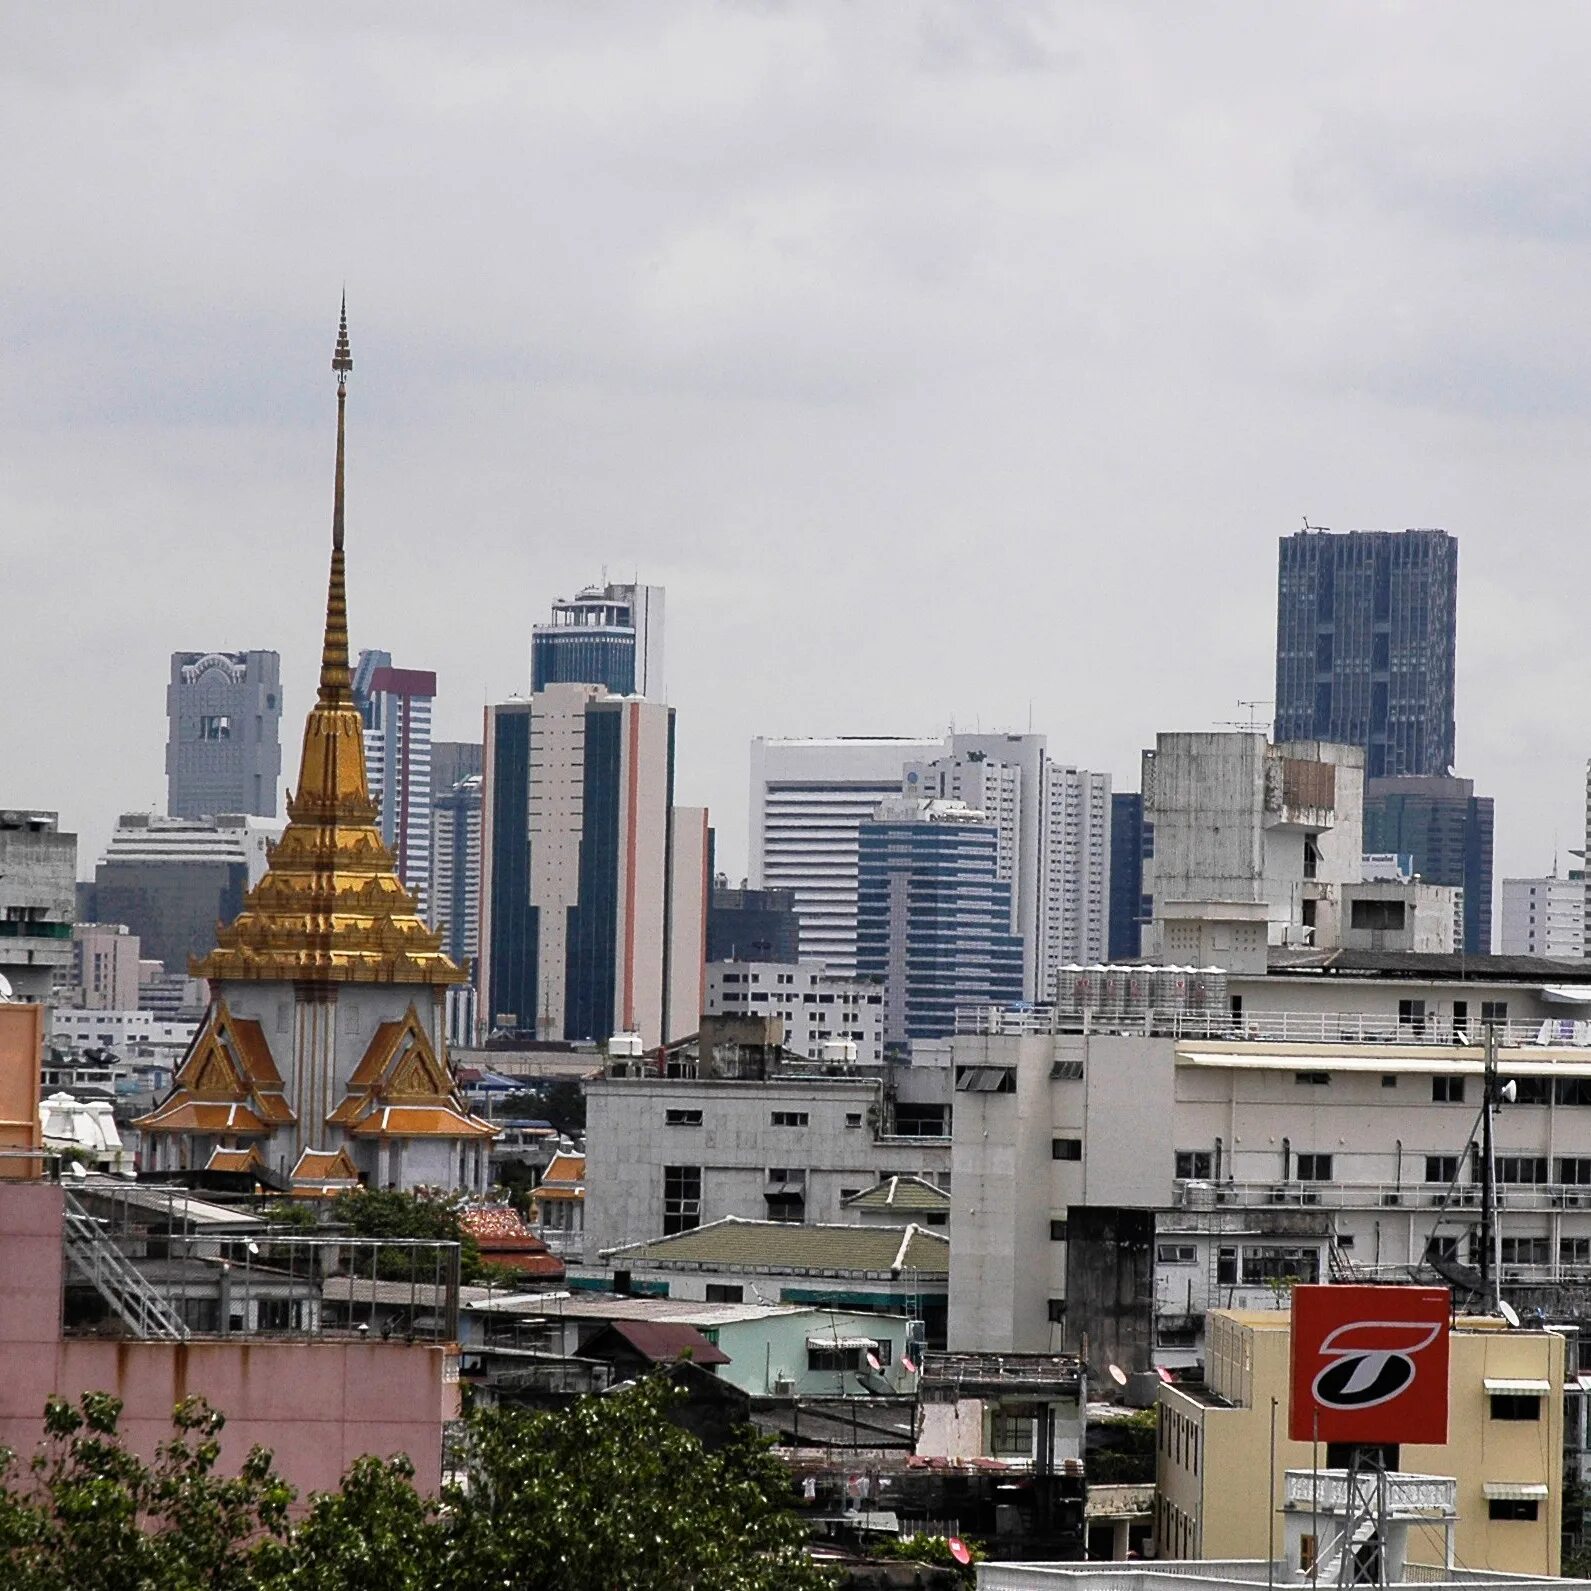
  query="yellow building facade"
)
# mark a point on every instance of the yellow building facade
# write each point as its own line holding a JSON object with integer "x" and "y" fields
{"x": 1504, "y": 1448}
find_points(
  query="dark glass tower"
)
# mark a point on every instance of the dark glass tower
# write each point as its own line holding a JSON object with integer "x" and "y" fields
{"x": 1447, "y": 829}
{"x": 1131, "y": 841}
{"x": 1365, "y": 627}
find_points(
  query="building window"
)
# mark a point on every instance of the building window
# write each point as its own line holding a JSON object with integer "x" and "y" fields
{"x": 1447, "y": 1090}
{"x": 725, "y": 1293}
{"x": 786, "y": 1193}
{"x": 1265, "y": 1263}
{"x": 682, "y": 1199}
{"x": 1314, "y": 1168}
{"x": 1516, "y": 1406}
{"x": 1057, "y": 1231}
{"x": 1512, "y": 1508}
{"x": 1174, "y": 1254}
{"x": 1313, "y": 1079}
{"x": 1574, "y": 1251}
{"x": 833, "y": 1358}
{"x": 1411, "y": 1014}
{"x": 1195, "y": 1164}
{"x": 1057, "y": 1310}
{"x": 1494, "y": 1011}
{"x": 215, "y": 727}
{"x": 790, "y": 1118}
{"x": 1441, "y": 1168}
{"x": 1526, "y": 1250}
{"x": 1011, "y": 1432}
{"x": 853, "y": 1118}
{"x": 1375, "y": 916}
{"x": 1522, "y": 1168}
{"x": 682, "y": 1118}
{"x": 986, "y": 1079}
{"x": 1066, "y": 1149}
{"x": 1226, "y": 1268}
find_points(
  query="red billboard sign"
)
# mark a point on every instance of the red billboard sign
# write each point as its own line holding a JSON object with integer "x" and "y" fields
{"x": 1369, "y": 1364}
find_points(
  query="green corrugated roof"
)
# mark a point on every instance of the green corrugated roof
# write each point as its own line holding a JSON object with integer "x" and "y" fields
{"x": 909, "y": 1195}
{"x": 786, "y": 1245}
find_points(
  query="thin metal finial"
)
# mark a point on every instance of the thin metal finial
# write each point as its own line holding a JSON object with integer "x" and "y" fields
{"x": 342, "y": 360}
{"x": 335, "y": 678}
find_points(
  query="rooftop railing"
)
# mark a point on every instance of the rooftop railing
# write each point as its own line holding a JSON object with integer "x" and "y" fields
{"x": 1271, "y": 1027}
{"x": 1336, "y": 1491}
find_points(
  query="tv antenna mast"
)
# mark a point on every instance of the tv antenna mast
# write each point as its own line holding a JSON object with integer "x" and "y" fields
{"x": 1253, "y": 722}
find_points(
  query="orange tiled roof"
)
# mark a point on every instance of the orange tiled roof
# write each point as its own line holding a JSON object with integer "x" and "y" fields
{"x": 325, "y": 1165}
{"x": 420, "y": 1121}
{"x": 400, "y": 1089}
{"x": 564, "y": 1167}
{"x": 235, "y": 1159}
{"x": 191, "y": 1115}
{"x": 229, "y": 1063}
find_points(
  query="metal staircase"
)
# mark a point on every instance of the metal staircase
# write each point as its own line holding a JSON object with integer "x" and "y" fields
{"x": 94, "y": 1257}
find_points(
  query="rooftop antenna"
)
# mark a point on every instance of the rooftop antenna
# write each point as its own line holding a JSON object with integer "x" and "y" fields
{"x": 1252, "y": 722}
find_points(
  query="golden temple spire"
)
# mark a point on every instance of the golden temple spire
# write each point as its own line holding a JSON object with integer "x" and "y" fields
{"x": 336, "y": 683}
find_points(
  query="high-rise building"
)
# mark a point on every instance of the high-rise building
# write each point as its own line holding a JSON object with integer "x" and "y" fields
{"x": 1074, "y": 887}
{"x": 38, "y": 872}
{"x": 452, "y": 760}
{"x": 593, "y": 889}
{"x": 105, "y": 967}
{"x": 933, "y": 917}
{"x": 395, "y": 707}
{"x": 607, "y": 635}
{"x": 816, "y": 1010}
{"x": 752, "y": 925}
{"x": 172, "y": 880}
{"x": 1544, "y": 917}
{"x": 1365, "y": 631}
{"x": 1447, "y": 829}
{"x": 808, "y": 801}
{"x": 1131, "y": 840}
{"x": 321, "y": 1054}
{"x": 223, "y": 742}
{"x": 456, "y": 868}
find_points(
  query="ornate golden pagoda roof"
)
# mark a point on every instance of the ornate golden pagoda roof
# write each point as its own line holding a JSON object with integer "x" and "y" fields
{"x": 331, "y": 907}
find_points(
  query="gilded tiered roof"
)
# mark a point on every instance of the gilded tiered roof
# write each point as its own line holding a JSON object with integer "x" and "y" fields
{"x": 331, "y": 907}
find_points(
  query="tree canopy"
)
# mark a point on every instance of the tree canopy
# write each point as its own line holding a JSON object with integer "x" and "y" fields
{"x": 605, "y": 1493}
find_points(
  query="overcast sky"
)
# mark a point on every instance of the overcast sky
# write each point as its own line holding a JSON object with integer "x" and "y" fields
{"x": 946, "y": 362}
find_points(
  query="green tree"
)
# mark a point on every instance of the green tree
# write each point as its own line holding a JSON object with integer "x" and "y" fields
{"x": 385, "y": 1212}
{"x": 610, "y": 1493}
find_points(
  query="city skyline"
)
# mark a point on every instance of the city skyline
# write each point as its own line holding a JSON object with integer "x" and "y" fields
{"x": 762, "y": 403}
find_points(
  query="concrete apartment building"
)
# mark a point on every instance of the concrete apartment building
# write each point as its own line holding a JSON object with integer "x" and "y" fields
{"x": 395, "y": 705}
{"x": 1505, "y": 1446}
{"x": 816, "y": 1010}
{"x": 1544, "y": 917}
{"x": 1308, "y": 1121}
{"x": 594, "y": 885}
{"x": 737, "y": 1126}
{"x": 1074, "y": 884}
{"x": 105, "y": 967}
{"x": 38, "y": 876}
{"x": 223, "y": 744}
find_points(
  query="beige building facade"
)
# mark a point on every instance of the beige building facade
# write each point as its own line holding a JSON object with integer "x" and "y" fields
{"x": 1504, "y": 1447}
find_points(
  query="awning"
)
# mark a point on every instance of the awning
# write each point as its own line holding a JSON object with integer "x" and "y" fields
{"x": 1519, "y": 1491}
{"x": 1561, "y": 994}
{"x": 1519, "y": 1388}
{"x": 842, "y": 1342}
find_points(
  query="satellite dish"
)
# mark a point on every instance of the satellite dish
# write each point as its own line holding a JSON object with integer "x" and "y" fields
{"x": 1509, "y": 1092}
{"x": 1507, "y": 1311}
{"x": 1165, "y": 1375}
{"x": 874, "y": 1363}
{"x": 253, "y": 1247}
{"x": 80, "y": 1171}
{"x": 6, "y": 995}
{"x": 958, "y": 1549}
{"x": 1117, "y": 1374}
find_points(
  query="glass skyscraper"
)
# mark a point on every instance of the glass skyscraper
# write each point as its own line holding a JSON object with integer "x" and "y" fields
{"x": 609, "y": 635}
{"x": 1365, "y": 629}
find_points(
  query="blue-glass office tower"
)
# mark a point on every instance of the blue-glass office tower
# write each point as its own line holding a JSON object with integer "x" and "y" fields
{"x": 1447, "y": 829}
{"x": 933, "y": 919}
{"x": 1131, "y": 843}
{"x": 1365, "y": 629}
{"x": 609, "y": 635}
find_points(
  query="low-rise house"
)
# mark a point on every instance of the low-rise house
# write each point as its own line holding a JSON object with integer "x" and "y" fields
{"x": 884, "y": 1269}
{"x": 558, "y": 1206}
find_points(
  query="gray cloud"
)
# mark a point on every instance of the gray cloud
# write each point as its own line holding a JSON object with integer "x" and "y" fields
{"x": 945, "y": 361}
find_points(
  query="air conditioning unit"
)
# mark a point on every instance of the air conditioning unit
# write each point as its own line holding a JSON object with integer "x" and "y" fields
{"x": 784, "y": 1386}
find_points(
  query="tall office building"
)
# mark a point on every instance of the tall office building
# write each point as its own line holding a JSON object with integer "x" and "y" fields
{"x": 1131, "y": 840}
{"x": 608, "y": 635}
{"x": 1365, "y": 631}
{"x": 1544, "y": 917}
{"x": 594, "y": 887}
{"x": 223, "y": 741}
{"x": 1447, "y": 829}
{"x": 451, "y": 761}
{"x": 173, "y": 880}
{"x": 752, "y": 925}
{"x": 808, "y": 801}
{"x": 933, "y": 917}
{"x": 1074, "y": 886}
{"x": 395, "y": 707}
{"x": 456, "y": 868}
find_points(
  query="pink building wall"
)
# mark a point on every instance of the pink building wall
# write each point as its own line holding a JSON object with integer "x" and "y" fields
{"x": 318, "y": 1404}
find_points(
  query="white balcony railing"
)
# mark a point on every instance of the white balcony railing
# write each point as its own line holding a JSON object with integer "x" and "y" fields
{"x": 1332, "y": 1491}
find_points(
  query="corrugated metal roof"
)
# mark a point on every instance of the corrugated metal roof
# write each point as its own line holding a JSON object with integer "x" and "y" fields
{"x": 1518, "y": 1490}
{"x": 663, "y": 1342}
{"x": 789, "y": 1245}
{"x": 1525, "y": 1388}
{"x": 1460, "y": 966}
